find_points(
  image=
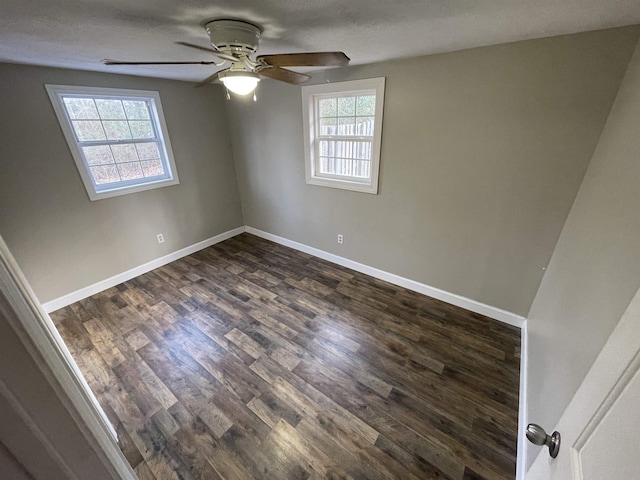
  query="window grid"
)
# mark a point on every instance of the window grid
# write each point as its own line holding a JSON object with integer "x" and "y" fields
{"x": 117, "y": 139}
{"x": 344, "y": 132}
{"x": 342, "y": 124}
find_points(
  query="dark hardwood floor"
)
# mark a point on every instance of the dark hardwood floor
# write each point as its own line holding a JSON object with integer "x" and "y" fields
{"x": 249, "y": 360}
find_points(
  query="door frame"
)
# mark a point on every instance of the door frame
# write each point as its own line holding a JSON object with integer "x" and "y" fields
{"x": 41, "y": 339}
{"x": 521, "y": 448}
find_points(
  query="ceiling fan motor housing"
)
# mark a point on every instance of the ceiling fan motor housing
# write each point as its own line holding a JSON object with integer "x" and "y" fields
{"x": 233, "y": 36}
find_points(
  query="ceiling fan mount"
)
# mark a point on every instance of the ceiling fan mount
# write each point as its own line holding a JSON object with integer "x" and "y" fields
{"x": 235, "y": 42}
{"x": 234, "y": 36}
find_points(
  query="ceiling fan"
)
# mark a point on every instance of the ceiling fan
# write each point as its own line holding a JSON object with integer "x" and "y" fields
{"x": 234, "y": 42}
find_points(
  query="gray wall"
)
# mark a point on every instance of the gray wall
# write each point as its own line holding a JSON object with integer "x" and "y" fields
{"x": 10, "y": 467}
{"x": 595, "y": 269}
{"x": 483, "y": 152}
{"x": 62, "y": 240}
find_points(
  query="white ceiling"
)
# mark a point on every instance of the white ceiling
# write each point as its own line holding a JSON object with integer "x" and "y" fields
{"x": 79, "y": 33}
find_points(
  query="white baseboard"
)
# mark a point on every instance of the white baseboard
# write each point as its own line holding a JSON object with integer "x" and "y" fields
{"x": 85, "y": 292}
{"x": 521, "y": 464}
{"x": 452, "y": 298}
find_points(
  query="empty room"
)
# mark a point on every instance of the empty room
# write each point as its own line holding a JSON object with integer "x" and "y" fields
{"x": 284, "y": 240}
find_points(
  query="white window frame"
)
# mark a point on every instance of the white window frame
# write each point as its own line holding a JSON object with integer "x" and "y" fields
{"x": 56, "y": 93}
{"x": 310, "y": 98}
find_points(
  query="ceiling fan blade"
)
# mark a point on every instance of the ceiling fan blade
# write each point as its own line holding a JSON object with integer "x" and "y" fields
{"x": 117, "y": 62}
{"x": 317, "y": 59}
{"x": 284, "y": 75}
{"x": 210, "y": 79}
{"x": 214, "y": 51}
{"x": 199, "y": 47}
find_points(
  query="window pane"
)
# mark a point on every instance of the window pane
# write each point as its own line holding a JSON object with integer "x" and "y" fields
{"x": 98, "y": 155}
{"x": 80, "y": 108}
{"x": 110, "y": 109}
{"x": 362, "y": 168}
{"x": 130, "y": 171}
{"x": 362, "y": 150}
{"x": 327, "y": 165}
{"x": 141, "y": 129}
{"x": 346, "y": 126}
{"x": 147, "y": 151}
{"x": 345, "y": 167}
{"x": 124, "y": 153}
{"x": 328, "y": 107}
{"x": 346, "y": 106}
{"x": 328, "y": 126}
{"x": 327, "y": 148}
{"x": 87, "y": 131}
{"x": 117, "y": 130}
{"x": 343, "y": 149}
{"x": 366, "y": 105}
{"x": 105, "y": 174}
{"x": 136, "y": 110}
{"x": 348, "y": 149}
{"x": 152, "y": 168}
{"x": 364, "y": 126}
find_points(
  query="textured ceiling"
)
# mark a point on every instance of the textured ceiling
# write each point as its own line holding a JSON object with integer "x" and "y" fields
{"x": 79, "y": 33}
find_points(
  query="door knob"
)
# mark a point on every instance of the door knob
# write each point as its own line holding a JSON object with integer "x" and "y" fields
{"x": 537, "y": 436}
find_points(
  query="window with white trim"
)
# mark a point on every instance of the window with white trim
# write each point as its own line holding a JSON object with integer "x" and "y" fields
{"x": 342, "y": 133}
{"x": 118, "y": 138}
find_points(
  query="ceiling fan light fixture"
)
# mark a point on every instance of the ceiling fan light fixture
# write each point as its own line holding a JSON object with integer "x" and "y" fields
{"x": 240, "y": 83}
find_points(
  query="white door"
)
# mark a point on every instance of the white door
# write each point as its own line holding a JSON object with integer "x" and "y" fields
{"x": 600, "y": 428}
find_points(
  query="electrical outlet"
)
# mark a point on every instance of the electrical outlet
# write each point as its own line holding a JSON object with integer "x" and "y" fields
{"x": 160, "y": 238}
{"x": 340, "y": 238}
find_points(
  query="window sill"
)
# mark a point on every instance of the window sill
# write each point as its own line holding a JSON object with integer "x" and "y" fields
{"x": 115, "y": 192}
{"x": 364, "y": 187}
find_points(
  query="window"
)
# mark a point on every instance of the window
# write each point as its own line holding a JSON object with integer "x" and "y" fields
{"x": 343, "y": 128}
{"x": 118, "y": 138}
